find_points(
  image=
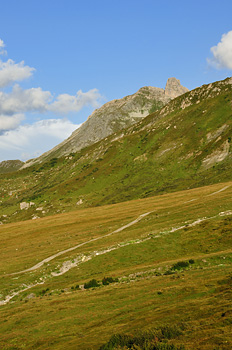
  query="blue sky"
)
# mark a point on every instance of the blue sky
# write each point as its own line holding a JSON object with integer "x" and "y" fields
{"x": 78, "y": 55}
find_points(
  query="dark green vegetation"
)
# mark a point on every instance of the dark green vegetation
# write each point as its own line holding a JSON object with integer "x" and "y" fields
{"x": 91, "y": 284}
{"x": 185, "y": 145}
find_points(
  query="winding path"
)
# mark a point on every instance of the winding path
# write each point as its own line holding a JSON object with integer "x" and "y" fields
{"x": 41, "y": 263}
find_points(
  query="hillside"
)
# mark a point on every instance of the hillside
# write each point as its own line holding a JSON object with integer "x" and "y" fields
{"x": 161, "y": 265}
{"x": 114, "y": 116}
{"x": 184, "y": 145}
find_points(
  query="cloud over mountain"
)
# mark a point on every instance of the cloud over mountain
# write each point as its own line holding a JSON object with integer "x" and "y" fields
{"x": 222, "y": 52}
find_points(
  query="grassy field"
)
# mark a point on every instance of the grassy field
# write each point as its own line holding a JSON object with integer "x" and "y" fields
{"x": 153, "y": 287}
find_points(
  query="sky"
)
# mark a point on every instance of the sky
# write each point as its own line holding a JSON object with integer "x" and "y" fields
{"x": 61, "y": 59}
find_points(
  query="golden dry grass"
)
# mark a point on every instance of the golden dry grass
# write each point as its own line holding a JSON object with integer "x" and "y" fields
{"x": 64, "y": 318}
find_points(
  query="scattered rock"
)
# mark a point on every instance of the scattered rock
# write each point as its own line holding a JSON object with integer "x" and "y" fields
{"x": 30, "y": 296}
{"x": 80, "y": 201}
{"x": 141, "y": 158}
{"x": 24, "y": 205}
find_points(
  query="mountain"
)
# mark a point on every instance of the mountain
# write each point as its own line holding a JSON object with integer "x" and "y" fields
{"x": 114, "y": 116}
{"x": 184, "y": 145}
{"x": 8, "y": 166}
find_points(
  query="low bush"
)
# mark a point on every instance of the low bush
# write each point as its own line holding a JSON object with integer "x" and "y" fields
{"x": 180, "y": 265}
{"x": 91, "y": 284}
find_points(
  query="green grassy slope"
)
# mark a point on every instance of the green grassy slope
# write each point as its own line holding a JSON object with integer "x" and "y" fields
{"x": 153, "y": 290}
{"x": 185, "y": 145}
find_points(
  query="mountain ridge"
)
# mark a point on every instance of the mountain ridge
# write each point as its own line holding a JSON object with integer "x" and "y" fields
{"x": 114, "y": 116}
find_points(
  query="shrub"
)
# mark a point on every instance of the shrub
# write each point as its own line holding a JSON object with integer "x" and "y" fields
{"x": 180, "y": 265}
{"x": 91, "y": 284}
{"x": 191, "y": 261}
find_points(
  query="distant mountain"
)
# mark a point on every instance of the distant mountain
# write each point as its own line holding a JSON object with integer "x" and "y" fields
{"x": 114, "y": 116}
{"x": 8, "y": 166}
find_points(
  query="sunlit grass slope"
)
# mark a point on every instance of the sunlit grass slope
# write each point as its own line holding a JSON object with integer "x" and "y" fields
{"x": 185, "y": 145}
{"x": 170, "y": 267}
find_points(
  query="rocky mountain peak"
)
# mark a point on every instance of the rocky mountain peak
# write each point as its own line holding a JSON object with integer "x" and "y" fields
{"x": 115, "y": 115}
{"x": 174, "y": 88}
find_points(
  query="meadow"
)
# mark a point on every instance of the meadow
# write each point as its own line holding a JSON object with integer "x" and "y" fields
{"x": 170, "y": 267}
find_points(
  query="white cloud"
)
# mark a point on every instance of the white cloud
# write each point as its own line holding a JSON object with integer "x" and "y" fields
{"x": 28, "y": 141}
{"x": 38, "y": 101}
{"x": 2, "y": 50}
{"x": 11, "y": 72}
{"x": 19, "y": 100}
{"x": 222, "y": 52}
{"x": 10, "y": 122}
{"x": 67, "y": 103}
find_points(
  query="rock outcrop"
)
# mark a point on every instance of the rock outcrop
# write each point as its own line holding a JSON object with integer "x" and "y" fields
{"x": 174, "y": 88}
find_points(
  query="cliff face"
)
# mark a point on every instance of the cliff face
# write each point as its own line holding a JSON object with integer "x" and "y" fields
{"x": 114, "y": 116}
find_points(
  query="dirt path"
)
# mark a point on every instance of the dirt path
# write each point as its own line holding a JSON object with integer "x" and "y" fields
{"x": 67, "y": 265}
{"x": 222, "y": 189}
{"x": 52, "y": 257}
